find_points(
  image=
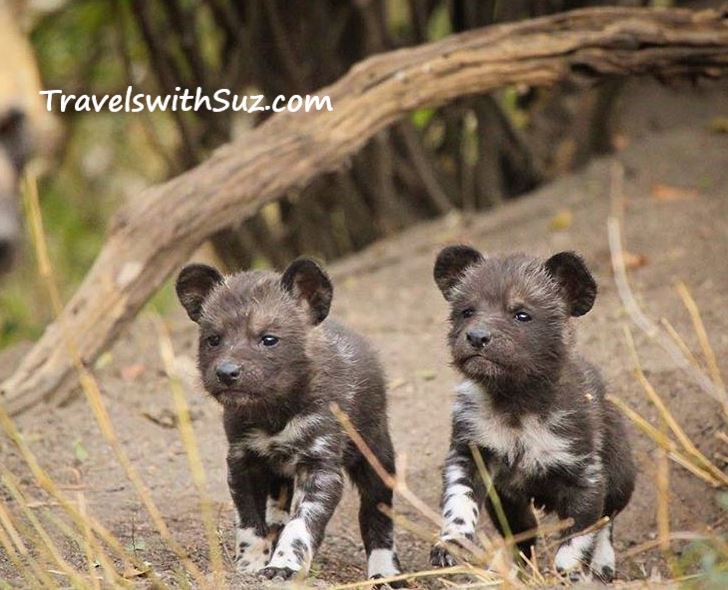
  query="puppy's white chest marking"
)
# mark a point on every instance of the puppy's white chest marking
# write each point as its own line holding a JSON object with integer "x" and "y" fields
{"x": 284, "y": 448}
{"x": 288, "y": 439}
{"x": 532, "y": 444}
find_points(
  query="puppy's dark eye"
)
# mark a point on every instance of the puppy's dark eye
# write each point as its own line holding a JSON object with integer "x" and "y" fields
{"x": 468, "y": 313}
{"x": 213, "y": 341}
{"x": 269, "y": 340}
{"x": 522, "y": 316}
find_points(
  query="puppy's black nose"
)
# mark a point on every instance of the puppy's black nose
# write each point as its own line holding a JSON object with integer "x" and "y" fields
{"x": 479, "y": 338}
{"x": 227, "y": 373}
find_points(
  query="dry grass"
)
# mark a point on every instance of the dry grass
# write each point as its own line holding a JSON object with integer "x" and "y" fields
{"x": 34, "y": 534}
{"x": 671, "y": 440}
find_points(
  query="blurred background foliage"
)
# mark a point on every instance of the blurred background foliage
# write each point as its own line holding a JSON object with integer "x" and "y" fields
{"x": 471, "y": 154}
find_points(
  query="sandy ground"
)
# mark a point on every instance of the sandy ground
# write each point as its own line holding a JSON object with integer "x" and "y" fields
{"x": 676, "y": 189}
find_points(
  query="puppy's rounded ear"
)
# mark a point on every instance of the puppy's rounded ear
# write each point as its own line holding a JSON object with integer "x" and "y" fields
{"x": 309, "y": 285}
{"x": 194, "y": 284}
{"x": 577, "y": 283}
{"x": 451, "y": 263}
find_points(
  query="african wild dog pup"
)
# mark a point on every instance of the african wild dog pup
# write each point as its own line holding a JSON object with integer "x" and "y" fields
{"x": 533, "y": 408}
{"x": 268, "y": 354}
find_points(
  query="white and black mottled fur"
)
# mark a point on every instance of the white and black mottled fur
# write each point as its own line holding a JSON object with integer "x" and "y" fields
{"x": 531, "y": 406}
{"x": 270, "y": 356}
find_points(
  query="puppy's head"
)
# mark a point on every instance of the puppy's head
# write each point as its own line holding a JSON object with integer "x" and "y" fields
{"x": 510, "y": 315}
{"x": 254, "y": 328}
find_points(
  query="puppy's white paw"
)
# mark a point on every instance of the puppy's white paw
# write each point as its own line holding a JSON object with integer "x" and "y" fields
{"x": 573, "y": 554}
{"x": 251, "y": 551}
{"x": 603, "y": 561}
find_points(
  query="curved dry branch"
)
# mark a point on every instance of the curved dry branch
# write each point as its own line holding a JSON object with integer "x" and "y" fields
{"x": 156, "y": 233}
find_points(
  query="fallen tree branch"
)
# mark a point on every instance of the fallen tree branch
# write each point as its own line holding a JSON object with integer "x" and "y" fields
{"x": 157, "y": 232}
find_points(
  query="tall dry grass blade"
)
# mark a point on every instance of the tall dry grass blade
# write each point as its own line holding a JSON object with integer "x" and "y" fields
{"x": 475, "y": 552}
{"x": 35, "y": 220}
{"x": 114, "y": 579}
{"x": 663, "y": 441}
{"x": 47, "y": 484}
{"x": 688, "y": 536}
{"x": 93, "y": 396}
{"x": 6, "y": 542}
{"x": 47, "y": 545}
{"x": 7, "y": 522}
{"x": 662, "y": 481}
{"x": 86, "y": 542}
{"x": 430, "y": 537}
{"x": 395, "y": 483}
{"x": 629, "y": 302}
{"x": 700, "y": 331}
{"x": 37, "y": 556}
{"x": 533, "y": 571}
{"x": 667, "y": 416}
{"x": 492, "y": 493}
{"x": 679, "y": 433}
{"x": 401, "y": 520}
{"x": 25, "y": 570}
{"x": 189, "y": 440}
{"x": 90, "y": 386}
{"x": 17, "y": 551}
{"x": 456, "y": 570}
{"x": 10, "y": 551}
{"x": 680, "y": 342}
{"x": 565, "y": 524}
{"x": 503, "y": 560}
{"x": 541, "y": 536}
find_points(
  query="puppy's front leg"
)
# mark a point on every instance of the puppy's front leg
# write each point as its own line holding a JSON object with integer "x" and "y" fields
{"x": 247, "y": 480}
{"x": 585, "y": 506}
{"x": 278, "y": 506}
{"x": 461, "y": 498}
{"x": 317, "y": 492}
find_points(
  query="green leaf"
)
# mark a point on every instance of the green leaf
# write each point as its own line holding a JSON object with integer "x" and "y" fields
{"x": 421, "y": 117}
{"x": 80, "y": 451}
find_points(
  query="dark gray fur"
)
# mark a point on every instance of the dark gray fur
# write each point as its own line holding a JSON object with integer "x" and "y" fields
{"x": 286, "y": 446}
{"x": 523, "y": 374}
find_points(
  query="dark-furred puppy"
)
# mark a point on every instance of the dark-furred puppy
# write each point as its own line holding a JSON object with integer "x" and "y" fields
{"x": 268, "y": 354}
{"x": 533, "y": 408}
